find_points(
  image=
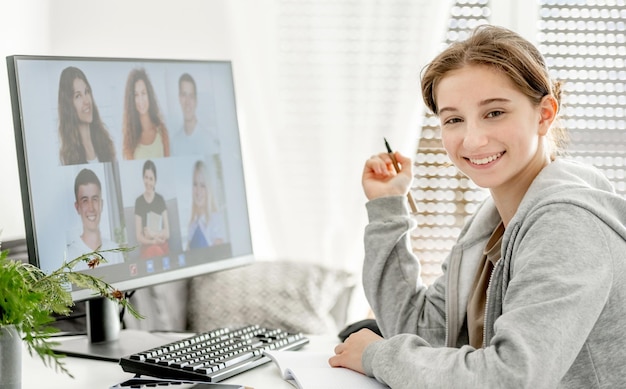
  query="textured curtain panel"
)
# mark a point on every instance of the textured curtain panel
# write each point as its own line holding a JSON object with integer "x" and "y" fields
{"x": 324, "y": 82}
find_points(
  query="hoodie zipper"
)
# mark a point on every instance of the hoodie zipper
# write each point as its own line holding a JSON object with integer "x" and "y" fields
{"x": 487, "y": 303}
{"x": 452, "y": 299}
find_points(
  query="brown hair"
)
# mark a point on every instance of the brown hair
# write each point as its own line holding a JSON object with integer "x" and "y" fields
{"x": 84, "y": 177}
{"x": 186, "y": 77}
{"x": 506, "y": 51}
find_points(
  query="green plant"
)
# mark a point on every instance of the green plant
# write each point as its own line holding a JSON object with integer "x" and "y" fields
{"x": 29, "y": 297}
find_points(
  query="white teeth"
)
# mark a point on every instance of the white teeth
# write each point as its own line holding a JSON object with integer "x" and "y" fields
{"x": 483, "y": 161}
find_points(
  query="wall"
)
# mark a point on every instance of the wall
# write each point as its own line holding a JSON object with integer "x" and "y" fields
{"x": 24, "y": 28}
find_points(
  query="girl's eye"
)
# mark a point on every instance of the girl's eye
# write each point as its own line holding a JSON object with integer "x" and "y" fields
{"x": 452, "y": 121}
{"x": 494, "y": 114}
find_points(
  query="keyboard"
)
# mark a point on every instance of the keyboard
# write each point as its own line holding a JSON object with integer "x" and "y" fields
{"x": 214, "y": 355}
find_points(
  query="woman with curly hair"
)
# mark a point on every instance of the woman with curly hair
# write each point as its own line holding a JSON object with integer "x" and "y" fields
{"x": 84, "y": 137}
{"x": 145, "y": 133}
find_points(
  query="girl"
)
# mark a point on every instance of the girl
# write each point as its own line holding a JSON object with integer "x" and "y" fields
{"x": 532, "y": 295}
{"x": 206, "y": 225}
{"x": 84, "y": 137}
{"x": 152, "y": 227}
{"x": 145, "y": 133}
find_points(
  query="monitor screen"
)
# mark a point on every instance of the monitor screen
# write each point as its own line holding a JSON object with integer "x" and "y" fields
{"x": 136, "y": 153}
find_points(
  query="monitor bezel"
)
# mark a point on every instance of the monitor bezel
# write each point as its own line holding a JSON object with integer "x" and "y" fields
{"x": 24, "y": 176}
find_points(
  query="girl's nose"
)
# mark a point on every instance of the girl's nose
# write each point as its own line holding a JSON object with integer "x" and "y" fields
{"x": 475, "y": 136}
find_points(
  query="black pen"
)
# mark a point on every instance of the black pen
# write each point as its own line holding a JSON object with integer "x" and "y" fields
{"x": 395, "y": 166}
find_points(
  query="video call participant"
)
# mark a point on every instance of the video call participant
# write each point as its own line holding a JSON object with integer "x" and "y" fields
{"x": 193, "y": 138}
{"x": 532, "y": 294}
{"x": 145, "y": 133}
{"x": 84, "y": 137}
{"x": 151, "y": 217}
{"x": 88, "y": 204}
{"x": 206, "y": 225}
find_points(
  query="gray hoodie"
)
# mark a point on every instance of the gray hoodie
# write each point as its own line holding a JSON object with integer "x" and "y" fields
{"x": 556, "y": 305}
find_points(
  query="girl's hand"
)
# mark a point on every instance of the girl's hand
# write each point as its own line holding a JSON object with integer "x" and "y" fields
{"x": 349, "y": 353}
{"x": 380, "y": 178}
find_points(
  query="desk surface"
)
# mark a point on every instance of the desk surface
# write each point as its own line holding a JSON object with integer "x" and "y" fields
{"x": 93, "y": 374}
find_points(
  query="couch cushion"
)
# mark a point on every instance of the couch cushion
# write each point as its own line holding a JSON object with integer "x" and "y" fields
{"x": 294, "y": 296}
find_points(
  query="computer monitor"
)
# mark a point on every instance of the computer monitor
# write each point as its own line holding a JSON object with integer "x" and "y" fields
{"x": 135, "y": 153}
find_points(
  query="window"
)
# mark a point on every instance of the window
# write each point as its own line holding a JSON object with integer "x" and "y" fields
{"x": 584, "y": 45}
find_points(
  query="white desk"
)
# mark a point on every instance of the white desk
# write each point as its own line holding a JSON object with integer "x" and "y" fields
{"x": 94, "y": 374}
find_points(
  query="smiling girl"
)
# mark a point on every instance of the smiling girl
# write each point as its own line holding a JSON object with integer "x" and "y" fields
{"x": 145, "y": 133}
{"x": 84, "y": 137}
{"x": 152, "y": 226}
{"x": 532, "y": 294}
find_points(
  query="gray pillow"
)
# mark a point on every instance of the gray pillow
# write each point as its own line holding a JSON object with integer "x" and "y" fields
{"x": 293, "y": 296}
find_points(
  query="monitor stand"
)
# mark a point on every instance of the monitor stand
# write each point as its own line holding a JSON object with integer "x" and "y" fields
{"x": 105, "y": 340}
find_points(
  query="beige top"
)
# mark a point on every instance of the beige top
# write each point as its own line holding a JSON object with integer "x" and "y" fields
{"x": 153, "y": 150}
{"x": 478, "y": 297}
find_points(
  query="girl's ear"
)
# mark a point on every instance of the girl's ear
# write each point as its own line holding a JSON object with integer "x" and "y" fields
{"x": 548, "y": 108}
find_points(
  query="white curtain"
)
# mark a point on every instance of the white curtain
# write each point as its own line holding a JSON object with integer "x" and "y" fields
{"x": 322, "y": 83}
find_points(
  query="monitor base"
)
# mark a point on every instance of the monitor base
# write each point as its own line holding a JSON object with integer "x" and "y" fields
{"x": 128, "y": 342}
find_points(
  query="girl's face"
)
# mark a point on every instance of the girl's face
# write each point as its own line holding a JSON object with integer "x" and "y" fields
{"x": 490, "y": 130}
{"x": 199, "y": 189}
{"x": 142, "y": 104}
{"x": 149, "y": 181}
{"x": 82, "y": 101}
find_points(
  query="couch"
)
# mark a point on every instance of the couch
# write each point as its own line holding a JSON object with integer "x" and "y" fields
{"x": 295, "y": 296}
